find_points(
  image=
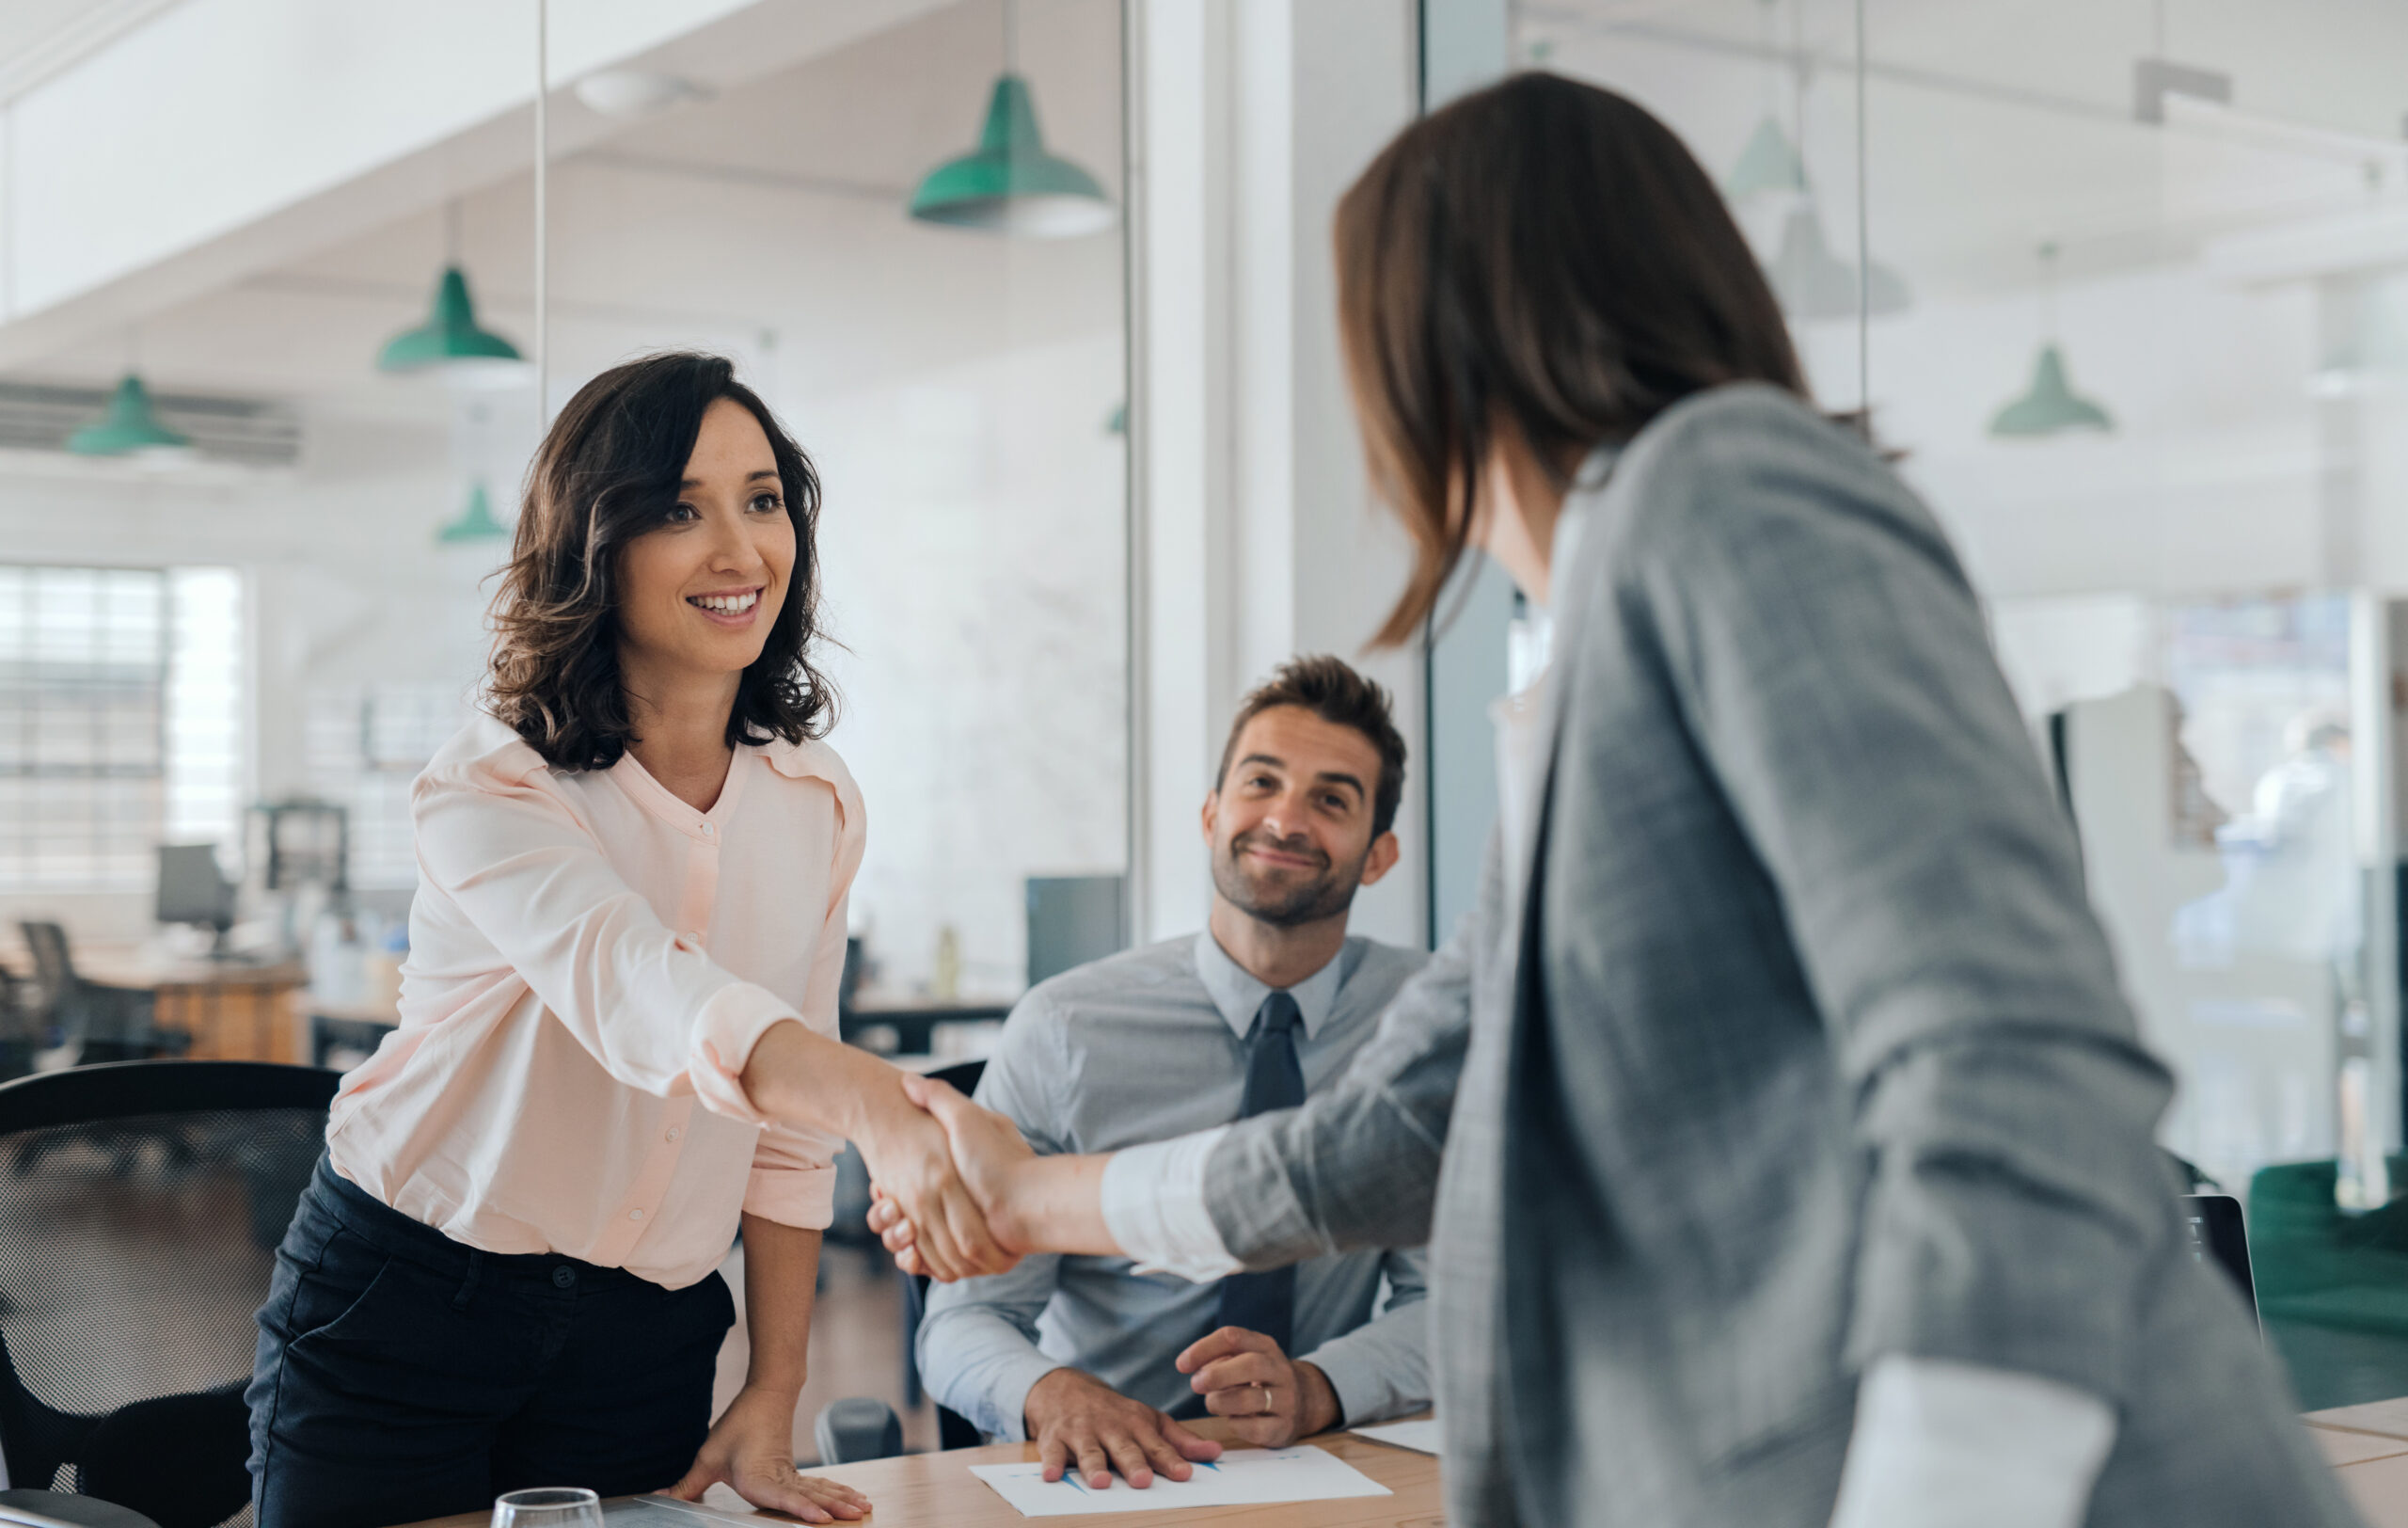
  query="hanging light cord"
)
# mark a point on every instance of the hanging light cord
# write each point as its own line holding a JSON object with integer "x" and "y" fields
{"x": 2048, "y": 293}
{"x": 1863, "y": 244}
{"x": 542, "y": 251}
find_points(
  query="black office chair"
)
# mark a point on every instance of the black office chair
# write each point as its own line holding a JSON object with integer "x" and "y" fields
{"x": 863, "y": 1427}
{"x": 102, "y": 1023}
{"x": 22, "y": 1033}
{"x": 140, "y": 1207}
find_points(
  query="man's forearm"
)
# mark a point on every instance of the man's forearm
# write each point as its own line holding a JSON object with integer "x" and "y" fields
{"x": 1056, "y": 1204}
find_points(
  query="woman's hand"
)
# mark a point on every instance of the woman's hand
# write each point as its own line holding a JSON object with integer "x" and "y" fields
{"x": 811, "y": 1080}
{"x": 750, "y": 1448}
{"x": 986, "y": 1148}
{"x": 912, "y": 1166}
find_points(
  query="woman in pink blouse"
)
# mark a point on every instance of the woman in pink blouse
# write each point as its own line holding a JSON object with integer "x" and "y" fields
{"x": 618, "y": 1019}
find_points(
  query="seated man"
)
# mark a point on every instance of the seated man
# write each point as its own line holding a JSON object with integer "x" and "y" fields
{"x": 1091, "y": 1356}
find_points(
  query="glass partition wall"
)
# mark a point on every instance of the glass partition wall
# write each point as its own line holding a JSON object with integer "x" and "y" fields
{"x": 269, "y": 386}
{"x": 2125, "y": 288}
{"x": 903, "y": 223}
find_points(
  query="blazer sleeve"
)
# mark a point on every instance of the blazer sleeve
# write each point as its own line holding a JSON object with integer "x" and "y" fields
{"x": 1831, "y": 665}
{"x": 656, "y": 1012}
{"x": 1356, "y": 1166}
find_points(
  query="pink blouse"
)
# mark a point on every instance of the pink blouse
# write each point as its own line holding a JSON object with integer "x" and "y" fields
{"x": 590, "y": 957}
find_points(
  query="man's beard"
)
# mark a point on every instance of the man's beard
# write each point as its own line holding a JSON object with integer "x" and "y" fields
{"x": 1285, "y": 906}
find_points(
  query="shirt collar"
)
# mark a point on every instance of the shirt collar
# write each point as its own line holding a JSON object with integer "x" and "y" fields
{"x": 1238, "y": 994}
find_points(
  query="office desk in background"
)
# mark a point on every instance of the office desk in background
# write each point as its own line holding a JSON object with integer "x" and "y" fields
{"x": 910, "y": 1020}
{"x": 937, "y": 1490}
{"x": 235, "y": 1010}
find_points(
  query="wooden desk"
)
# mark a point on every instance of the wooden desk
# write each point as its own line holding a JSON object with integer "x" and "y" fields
{"x": 2368, "y": 1447}
{"x": 2367, "y": 1444}
{"x": 235, "y": 1010}
{"x": 937, "y": 1490}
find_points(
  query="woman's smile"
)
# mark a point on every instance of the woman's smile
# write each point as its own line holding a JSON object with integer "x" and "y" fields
{"x": 736, "y": 608}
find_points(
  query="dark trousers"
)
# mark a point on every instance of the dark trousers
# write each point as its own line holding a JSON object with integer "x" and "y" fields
{"x": 404, "y": 1376}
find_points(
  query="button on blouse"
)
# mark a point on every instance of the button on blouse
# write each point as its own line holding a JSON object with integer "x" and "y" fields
{"x": 558, "y": 1029}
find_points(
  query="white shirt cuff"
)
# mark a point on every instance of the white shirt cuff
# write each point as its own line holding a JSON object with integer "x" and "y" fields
{"x": 1943, "y": 1444}
{"x": 1153, "y": 1206}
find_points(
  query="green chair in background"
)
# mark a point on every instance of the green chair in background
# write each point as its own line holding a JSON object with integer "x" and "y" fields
{"x": 2332, "y": 1288}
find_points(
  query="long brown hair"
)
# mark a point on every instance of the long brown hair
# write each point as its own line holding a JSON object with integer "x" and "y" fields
{"x": 1542, "y": 257}
{"x": 608, "y": 471}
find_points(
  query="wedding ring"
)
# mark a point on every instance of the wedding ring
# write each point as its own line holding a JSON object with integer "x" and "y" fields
{"x": 1266, "y": 1395}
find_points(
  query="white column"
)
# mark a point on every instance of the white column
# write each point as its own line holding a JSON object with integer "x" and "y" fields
{"x": 1256, "y": 536}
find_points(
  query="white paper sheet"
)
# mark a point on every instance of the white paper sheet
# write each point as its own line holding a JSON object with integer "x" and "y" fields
{"x": 1241, "y": 1478}
{"x": 1421, "y": 1437}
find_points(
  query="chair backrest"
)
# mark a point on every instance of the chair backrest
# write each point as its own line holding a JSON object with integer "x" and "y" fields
{"x": 54, "y": 967}
{"x": 953, "y": 1430}
{"x": 141, "y": 1208}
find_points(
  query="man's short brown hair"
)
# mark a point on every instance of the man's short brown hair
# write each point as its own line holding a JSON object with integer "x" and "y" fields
{"x": 1331, "y": 690}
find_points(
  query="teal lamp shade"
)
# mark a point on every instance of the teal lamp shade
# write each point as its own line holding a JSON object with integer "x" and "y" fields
{"x": 450, "y": 337}
{"x": 476, "y": 521}
{"x": 1813, "y": 282}
{"x": 129, "y": 427}
{"x": 1768, "y": 162}
{"x": 1009, "y": 184}
{"x": 2049, "y": 405}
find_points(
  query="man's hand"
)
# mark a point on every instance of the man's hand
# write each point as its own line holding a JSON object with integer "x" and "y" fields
{"x": 911, "y": 1161}
{"x": 752, "y": 1449}
{"x": 1077, "y": 1418}
{"x": 1270, "y": 1398}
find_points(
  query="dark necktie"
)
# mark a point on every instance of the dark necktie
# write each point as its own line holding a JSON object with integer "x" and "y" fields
{"x": 1266, "y": 1302}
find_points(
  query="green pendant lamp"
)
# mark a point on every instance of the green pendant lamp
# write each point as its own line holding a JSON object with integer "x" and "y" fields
{"x": 451, "y": 338}
{"x": 476, "y": 521}
{"x": 1770, "y": 163}
{"x": 2049, "y": 405}
{"x": 1009, "y": 184}
{"x": 131, "y": 426}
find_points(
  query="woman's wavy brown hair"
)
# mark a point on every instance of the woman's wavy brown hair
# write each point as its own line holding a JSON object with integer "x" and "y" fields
{"x": 608, "y": 471}
{"x": 1542, "y": 257}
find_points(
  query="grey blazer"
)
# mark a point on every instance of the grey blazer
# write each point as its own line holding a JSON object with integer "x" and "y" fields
{"x": 1792, "y": 1042}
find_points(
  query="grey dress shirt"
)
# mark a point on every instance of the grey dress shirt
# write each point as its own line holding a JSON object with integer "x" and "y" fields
{"x": 1788, "y": 1042}
{"x": 1139, "y": 1048}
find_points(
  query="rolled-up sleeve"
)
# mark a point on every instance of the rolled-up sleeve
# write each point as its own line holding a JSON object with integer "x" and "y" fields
{"x": 793, "y": 1178}
{"x": 532, "y": 879}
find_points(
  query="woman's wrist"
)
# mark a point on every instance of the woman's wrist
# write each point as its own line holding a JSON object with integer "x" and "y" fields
{"x": 801, "y": 1077}
{"x": 776, "y": 1392}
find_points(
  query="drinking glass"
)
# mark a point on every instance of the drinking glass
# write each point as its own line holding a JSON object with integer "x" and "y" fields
{"x": 548, "y": 1507}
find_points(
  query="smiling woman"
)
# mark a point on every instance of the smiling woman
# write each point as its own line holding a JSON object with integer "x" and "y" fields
{"x": 674, "y": 445}
{"x": 618, "y": 1019}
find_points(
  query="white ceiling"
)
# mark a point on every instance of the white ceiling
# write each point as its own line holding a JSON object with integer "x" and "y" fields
{"x": 776, "y": 208}
{"x": 1996, "y": 124}
{"x": 40, "y": 35}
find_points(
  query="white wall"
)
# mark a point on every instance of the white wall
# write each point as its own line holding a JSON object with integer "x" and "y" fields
{"x": 972, "y": 537}
{"x": 1258, "y": 536}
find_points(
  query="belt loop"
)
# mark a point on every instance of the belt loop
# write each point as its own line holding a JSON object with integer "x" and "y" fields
{"x": 469, "y": 1285}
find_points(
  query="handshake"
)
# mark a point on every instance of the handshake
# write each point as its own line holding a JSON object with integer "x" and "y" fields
{"x": 957, "y": 1192}
{"x": 952, "y": 1185}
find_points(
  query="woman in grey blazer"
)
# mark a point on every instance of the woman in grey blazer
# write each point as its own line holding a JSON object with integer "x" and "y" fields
{"x": 1782, "y": 1138}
